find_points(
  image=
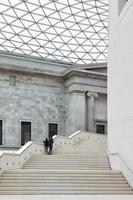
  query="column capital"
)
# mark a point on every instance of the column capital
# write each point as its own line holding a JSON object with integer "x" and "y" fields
{"x": 89, "y": 94}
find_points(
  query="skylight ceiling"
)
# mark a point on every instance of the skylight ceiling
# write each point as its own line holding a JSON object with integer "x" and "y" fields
{"x": 74, "y": 31}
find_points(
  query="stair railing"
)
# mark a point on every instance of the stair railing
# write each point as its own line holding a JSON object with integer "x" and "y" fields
{"x": 15, "y": 160}
{"x": 70, "y": 140}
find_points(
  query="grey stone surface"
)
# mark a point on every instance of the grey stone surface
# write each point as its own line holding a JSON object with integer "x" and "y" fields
{"x": 36, "y": 99}
{"x": 42, "y": 99}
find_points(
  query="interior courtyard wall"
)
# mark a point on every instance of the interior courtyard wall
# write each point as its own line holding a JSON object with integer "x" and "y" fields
{"x": 120, "y": 84}
{"x": 43, "y": 96}
{"x": 38, "y": 99}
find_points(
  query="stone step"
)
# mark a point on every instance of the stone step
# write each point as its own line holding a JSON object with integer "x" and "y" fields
{"x": 89, "y": 154}
{"x": 62, "y": 192}
{"x": 69, "y": 188}
{"x": 78, "y": 168}
{"x": 56, "y": 181}
{"x": 61, "y": 184}
{"x": 63, "y": 156}
{"x": 67, "y": 161}
{"x": 69, "y": 167}
{"x": 72, "y": 160}
{"x": 56, "y": 171}
{"x": 25, "y": 173}
{"x": 64, "y": 178}
{"x": 62, "y": 175}
{"x": 63, "y": 165}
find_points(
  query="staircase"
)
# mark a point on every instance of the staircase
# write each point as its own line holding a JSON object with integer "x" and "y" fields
{"x": 80, "y": 169}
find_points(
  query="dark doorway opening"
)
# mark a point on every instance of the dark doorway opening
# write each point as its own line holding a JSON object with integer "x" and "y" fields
{"x": 52, "y": 129}
{"x": 1, "y": 130}
{"x": 25, "y": 132}
{"x": 100, "y": 128}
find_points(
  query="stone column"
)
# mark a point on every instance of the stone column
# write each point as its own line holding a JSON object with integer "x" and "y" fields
{"x": 91, "y": 111}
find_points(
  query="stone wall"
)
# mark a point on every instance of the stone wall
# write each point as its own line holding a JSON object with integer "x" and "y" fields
{"x": 38, "y": 99}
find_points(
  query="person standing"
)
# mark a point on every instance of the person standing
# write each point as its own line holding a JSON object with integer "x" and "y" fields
{"x": 51, "y": 141}
{"x": 46, "y": 144}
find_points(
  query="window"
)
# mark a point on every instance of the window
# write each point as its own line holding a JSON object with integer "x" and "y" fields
{"x": 1, "y": 131}
{"x": 53, "y": 129}
{"x": 25, "y": 132}
{"x": 12, "y": 80}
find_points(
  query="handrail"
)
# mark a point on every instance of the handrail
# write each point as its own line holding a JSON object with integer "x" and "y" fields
{"x": 74, "y": 134}
{"x": 21, "y": 150}
{"x": 122, "y": 159}
{"x": 69, "y": 137}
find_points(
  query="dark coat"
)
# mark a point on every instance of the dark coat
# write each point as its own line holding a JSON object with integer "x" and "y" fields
{"x": 46, "y": 142}
{"x": 51, "y": 141}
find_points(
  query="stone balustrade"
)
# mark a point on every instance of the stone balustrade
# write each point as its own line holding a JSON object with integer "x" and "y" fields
{"x": 14, "y": 160}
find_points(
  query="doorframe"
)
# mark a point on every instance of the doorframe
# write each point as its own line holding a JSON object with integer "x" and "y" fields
{"x": 101, "y": 122}
{"x": 31, "y": 121}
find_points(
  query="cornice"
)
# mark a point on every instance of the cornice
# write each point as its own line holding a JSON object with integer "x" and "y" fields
{"x": 83, "y": 73}
{"x": 24, "y": 70}
{"x": 66, "y": 74}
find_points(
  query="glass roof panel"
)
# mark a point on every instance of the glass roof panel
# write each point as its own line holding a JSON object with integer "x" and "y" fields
{"x": 73, "y": 31}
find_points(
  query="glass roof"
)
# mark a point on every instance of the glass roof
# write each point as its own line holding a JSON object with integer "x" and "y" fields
{"x": 74, "y": 31}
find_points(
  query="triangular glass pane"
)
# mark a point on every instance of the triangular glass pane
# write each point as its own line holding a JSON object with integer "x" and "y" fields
{"x": 3, "y": 8}
{"x": 39, "y": 11}
{"x": 21, "y": 6}
{"x": 31, "y": 6}
{"x": 20, "y": 13}
{"x": 9, "y": 19}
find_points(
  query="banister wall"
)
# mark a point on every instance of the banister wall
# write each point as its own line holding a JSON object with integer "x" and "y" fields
{"x": 14, "y": 160}
{"x": 70, "y": 140}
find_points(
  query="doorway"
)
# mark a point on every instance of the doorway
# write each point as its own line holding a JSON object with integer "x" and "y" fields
{"x": 101, "y": 127}
{"x": 1, "y": 130}
{"x": 52, "y": 129}
{"x": 25, "y": 132}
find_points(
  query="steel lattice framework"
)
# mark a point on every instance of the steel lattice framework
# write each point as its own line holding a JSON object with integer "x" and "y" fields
{"x": 73, "y": 31}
